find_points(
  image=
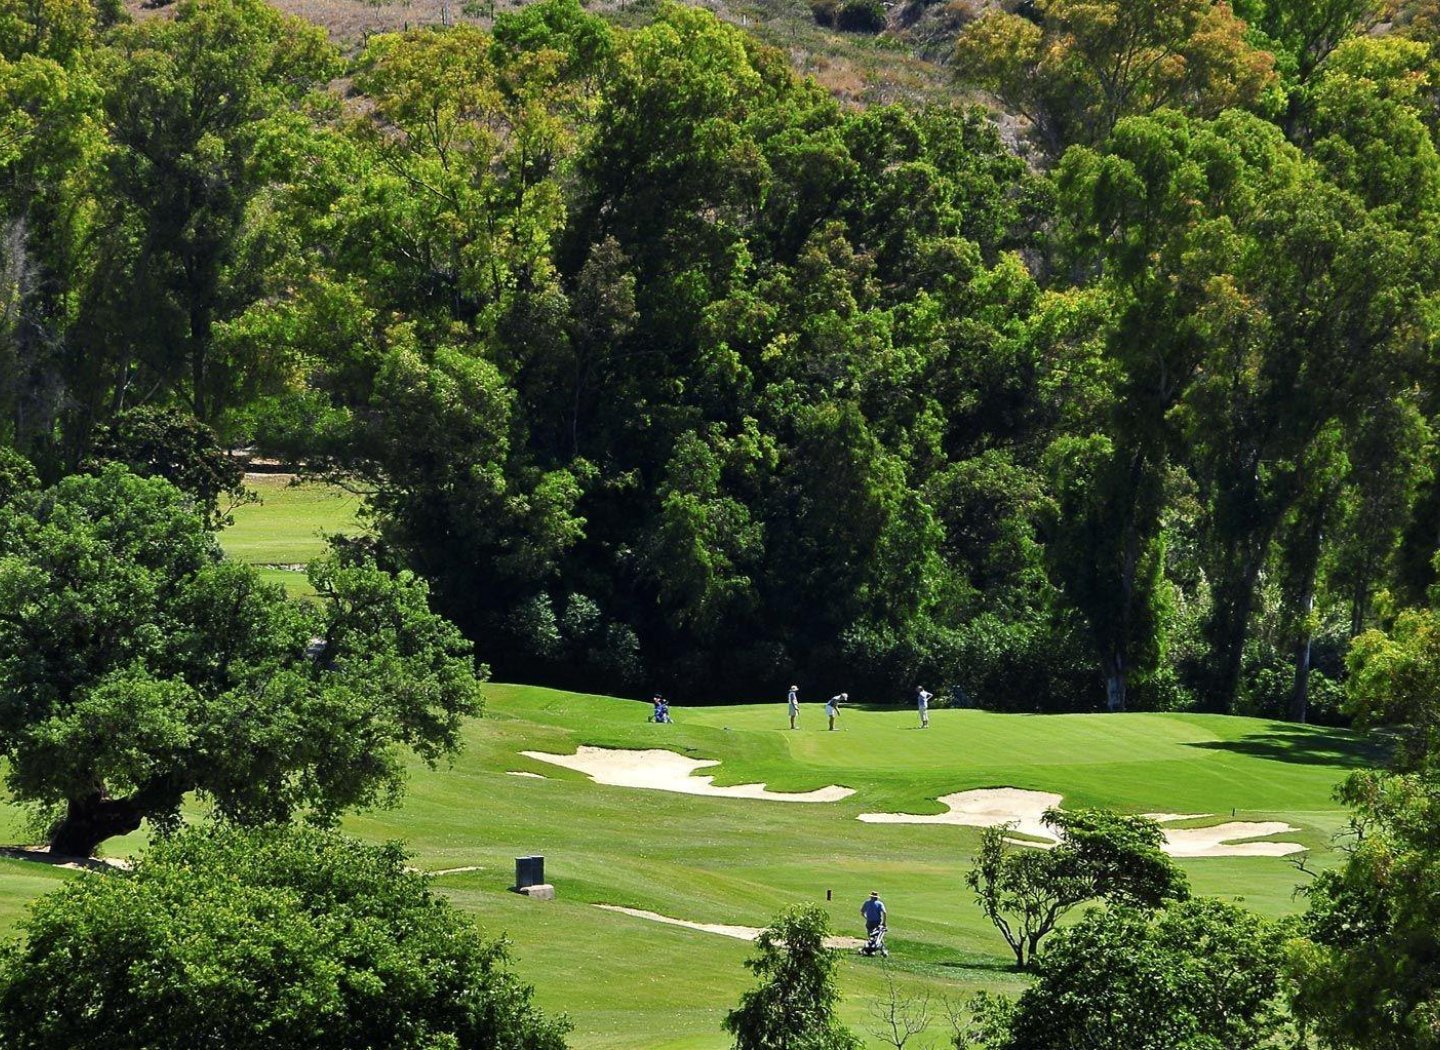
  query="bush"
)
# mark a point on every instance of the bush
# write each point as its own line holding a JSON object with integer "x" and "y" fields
{"x": 860, "y": 16}
{"x": 825, "y": 11}
{"x": 1198, "y": 975}
{"x": 250, "y": 940}
{"x": 794, "y": 1005}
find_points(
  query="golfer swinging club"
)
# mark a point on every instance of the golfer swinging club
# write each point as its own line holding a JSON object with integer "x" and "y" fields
{"x": 832, "y": 708}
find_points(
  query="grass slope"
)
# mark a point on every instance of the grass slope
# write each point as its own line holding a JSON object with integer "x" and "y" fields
{"x": 630, "y": 983}
{"x": 288, "y": 526}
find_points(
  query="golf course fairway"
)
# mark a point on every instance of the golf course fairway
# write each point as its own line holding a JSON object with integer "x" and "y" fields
{"x": 628, "y": 982}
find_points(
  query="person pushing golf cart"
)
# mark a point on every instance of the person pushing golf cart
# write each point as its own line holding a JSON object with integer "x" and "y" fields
{"x": 873, "y": 911}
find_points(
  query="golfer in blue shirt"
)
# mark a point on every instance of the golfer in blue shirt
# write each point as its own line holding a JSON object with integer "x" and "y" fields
{"x": 874, "y": 912}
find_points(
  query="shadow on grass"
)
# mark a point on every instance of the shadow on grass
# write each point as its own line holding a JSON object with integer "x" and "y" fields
{"x": 1310, "y": 747}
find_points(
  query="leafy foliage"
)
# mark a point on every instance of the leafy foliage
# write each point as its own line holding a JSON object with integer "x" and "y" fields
{"x": 201, "y": 677}
{"x": 793, "y": 1008}
{"x": 1195, "y": 975}
{"x": 1101, "y": 856}
{"x": 1364, "y": 974}
{"x": 255, "y": 938}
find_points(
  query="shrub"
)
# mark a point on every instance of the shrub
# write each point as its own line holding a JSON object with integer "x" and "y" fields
{"x": 246, "y": 940}
{"x": 860, "y": 16}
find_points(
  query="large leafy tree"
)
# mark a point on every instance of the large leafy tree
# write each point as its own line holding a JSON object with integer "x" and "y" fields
{"x": 1026, "y": 891}
{"x": 191, "y": 105}
{"x": 1196, "y": 975}
{"x": 246, "y": 939}
{"x": 1074, "y": 68}
{"x": 139, "y": 667}
{"x": 1365, "y": 974}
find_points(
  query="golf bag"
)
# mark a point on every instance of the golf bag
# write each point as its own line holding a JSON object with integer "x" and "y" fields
{"x": 875, "y": 944}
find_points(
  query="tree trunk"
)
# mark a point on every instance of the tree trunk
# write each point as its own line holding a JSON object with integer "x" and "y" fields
{"x": 1113, "y": 666}
{"x": 91, "y": 820}
{"x": 1230, "y": 628}
{"x": 1300, "y": 698}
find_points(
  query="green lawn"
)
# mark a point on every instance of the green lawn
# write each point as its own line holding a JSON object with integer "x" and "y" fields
{"x": 630, "y": 983}
{"x": 288, "y": 526}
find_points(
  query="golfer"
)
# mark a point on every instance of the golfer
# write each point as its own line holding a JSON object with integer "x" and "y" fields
{"x": 922, "y": 701}
{"x": 832, "y": 708}
{"x": 874, "y": 912}
{"x": 792, "y": 701}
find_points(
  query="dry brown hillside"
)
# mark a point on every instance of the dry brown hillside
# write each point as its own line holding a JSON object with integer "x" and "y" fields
{"x": 906, "y": 60}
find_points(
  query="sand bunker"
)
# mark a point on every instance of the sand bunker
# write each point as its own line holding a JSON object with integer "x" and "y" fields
{"x": 523, "y": 773}
{"x": 1219, "y": 840}
{"x": 659, "y": 770}
{"x": 742, "y": 933}
{"x": 992, "y": 807}
{"x": 987, "y": 808}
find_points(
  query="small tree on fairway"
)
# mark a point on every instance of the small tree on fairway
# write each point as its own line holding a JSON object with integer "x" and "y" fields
{"x": 1101, "y": 855}
{"x": 136, "y": 666}
{"x": 258, "y": 939}
{"x": 793, "y": 1008}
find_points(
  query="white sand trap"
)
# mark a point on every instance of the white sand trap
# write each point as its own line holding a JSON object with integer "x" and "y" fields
{"x": 1219, "y": 840}
{"x": 985, "y": 808}
{"x": 659, "y": 770}
{"x": 740, "y": 933}
{"x": 524, "y": 773}
{"x": 992, "y": 807}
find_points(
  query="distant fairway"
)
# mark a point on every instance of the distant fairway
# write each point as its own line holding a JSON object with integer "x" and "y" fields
{"x": 287, "y": 527}
{"x": 628, "y": 983}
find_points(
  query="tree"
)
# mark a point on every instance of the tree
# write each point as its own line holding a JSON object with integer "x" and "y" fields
{"x": 169, "y": 444}
{"x": 793, "y": 1008}
{"x": 192, "y": 103}
{"x": 136, "y": 666}
{"x": 1195, "y": 975}
{"x": 898, "y": 1018}
{"x": 1080, "y": 66}
{"x": 1101, "y": 856}
{"x": 1364, "y": 974}
{"x": 1395, "y": 681}
{"x": 246, "y": 939}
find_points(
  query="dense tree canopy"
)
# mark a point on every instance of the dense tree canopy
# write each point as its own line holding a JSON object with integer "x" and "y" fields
{"x": 1196, "y": 975}
{"x": 660, "y": 367}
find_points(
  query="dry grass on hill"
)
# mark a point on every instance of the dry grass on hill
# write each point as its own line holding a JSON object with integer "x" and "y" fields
{"x": 858, "y": 69}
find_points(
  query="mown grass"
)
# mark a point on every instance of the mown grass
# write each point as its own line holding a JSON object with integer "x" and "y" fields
{"x": 288, "y": 526}
{"x": 628, "y": 983}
